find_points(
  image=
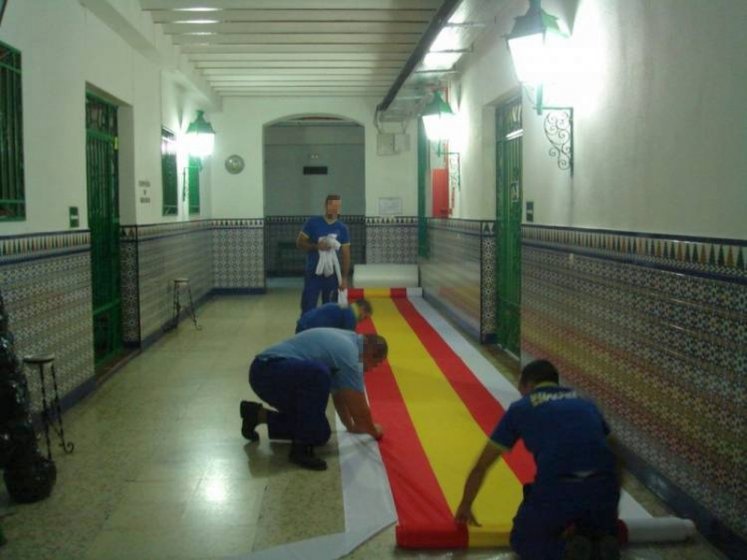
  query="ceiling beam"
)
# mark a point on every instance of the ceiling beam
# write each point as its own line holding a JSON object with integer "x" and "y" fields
{"x": 291, "y": 4}
{"x": 393, "y": 16}
{"x": 410, "y": 39}
{"x": 434, "y": 28}
{"x": 300, "y": 27}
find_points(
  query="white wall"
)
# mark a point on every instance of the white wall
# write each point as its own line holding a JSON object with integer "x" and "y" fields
{"x": 288, "y": 149}
{"x": 660, "y": 120}
{"x": 239, "y": 130}
{"x": 65, "y": 49}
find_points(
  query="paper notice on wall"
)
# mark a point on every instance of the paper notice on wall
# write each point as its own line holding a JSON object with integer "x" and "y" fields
{"x": 390, "y": 206}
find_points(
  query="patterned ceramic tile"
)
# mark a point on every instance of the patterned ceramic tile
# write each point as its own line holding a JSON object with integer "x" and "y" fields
{"x": 452, "y": 274}
{"x": 655, "y": 330}
{"x": 392, "y": 240}
{"x": 238, "y": 254}
{"x": 47, "y": 292}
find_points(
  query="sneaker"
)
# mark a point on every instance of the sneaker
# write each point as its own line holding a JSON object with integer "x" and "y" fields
{"x": 303, "y": 456}
{"x": 250, "y": 418}
{"x": 608, "y": 548}
{"x": 578, "y": 547}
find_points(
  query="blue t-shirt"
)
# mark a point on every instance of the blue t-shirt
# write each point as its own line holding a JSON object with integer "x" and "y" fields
{"x": 328, "y": 315}
{"x": 339, "y": 350}
{"x": 566, "y": 434}
{"x": 316, "y": 227}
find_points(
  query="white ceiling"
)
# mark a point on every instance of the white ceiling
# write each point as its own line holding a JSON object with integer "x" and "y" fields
{"x": 322, "y": 47}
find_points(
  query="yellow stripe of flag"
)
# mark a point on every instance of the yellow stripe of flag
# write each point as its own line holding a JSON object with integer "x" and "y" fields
{"x": 450, "y": 436}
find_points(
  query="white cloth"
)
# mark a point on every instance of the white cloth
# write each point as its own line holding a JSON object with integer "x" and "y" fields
{"x": 342, "y": 298}
{"x": 328, "y": 263}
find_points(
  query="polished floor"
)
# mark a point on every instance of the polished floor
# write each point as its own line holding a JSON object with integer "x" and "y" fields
{"x": 160, "y": 470}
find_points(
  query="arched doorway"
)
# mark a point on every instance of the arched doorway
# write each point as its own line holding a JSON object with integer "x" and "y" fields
{"x": 305, "y": 158}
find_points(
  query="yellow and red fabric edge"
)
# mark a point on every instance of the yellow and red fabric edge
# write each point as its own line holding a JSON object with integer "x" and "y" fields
{"x": 437, "y": 417}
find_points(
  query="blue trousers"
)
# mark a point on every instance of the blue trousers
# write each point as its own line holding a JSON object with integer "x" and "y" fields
{"x": 299, "y": 391}
{"x": 313, "y": 286}
{"x": 548, "y": 509}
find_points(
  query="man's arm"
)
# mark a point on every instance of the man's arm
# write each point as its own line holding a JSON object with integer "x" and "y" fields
{"x": 353, "y": 409}
{"x": 304, "y": 243}
{"x": 488, "y": 457}
{"x": 345, "y": 265}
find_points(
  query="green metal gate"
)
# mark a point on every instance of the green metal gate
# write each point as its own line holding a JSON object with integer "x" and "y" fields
{"x": 508, "y": 208}
{"x": 103, "y": 221}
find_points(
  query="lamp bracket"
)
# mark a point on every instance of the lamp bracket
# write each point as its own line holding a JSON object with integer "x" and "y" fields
{"x": 559, "y": 132}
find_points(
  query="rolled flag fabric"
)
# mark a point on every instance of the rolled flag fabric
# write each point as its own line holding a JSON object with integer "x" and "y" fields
{"x": 655, "y": 529}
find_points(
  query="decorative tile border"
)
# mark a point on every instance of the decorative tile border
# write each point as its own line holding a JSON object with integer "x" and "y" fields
{"x": 658, "y": 337}
{"x": 43, "y": 245}
{"x": 688, "y": 254}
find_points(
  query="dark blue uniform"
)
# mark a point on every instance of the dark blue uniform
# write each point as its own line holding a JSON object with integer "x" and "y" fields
{"x": 296, "y": 377}
{"x": 576, "y": 481}
{"x": 328, "y": 315}
{"x": 314, "y": 228}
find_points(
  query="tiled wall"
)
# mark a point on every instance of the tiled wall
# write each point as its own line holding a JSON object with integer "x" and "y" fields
{"x": 45, "y": 280}
{"x": 655, "y": 329}
{"x": 238, "y": 247}
{"x": 392, "y": 240}
{"x": 458, "y": 275}
{"x": 283, "y": 259}
{"x": 212, "y": 254}
{"x": 166, "y": 252}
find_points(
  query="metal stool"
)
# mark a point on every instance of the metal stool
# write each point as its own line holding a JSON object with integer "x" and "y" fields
{"x": 48, "y": 418}
{"x": 180, "y": 283}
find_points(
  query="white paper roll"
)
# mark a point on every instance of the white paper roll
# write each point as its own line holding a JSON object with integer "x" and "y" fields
{"x": 659, "y": 529}
{"x": 385, "y": 276}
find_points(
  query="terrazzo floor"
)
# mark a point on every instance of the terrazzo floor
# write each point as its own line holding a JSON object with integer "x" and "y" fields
{"x": 160, "y": 470}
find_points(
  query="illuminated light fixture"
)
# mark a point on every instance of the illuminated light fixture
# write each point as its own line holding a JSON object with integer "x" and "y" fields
{"x": 200, "y": 137}
{"x": 438, "y": 119}
{"x": 537, "y": 47}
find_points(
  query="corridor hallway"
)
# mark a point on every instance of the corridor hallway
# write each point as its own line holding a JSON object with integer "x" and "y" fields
{"x": 160, "y": 470}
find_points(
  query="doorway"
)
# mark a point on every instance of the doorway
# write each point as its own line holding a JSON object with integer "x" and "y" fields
{"x": 102, "y": 172}
{"x": 509, "y": 134}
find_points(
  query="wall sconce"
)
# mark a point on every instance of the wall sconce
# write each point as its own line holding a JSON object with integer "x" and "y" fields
{"x": 200, "y": 137}
{"x": 536, "y": 44}
{"x": 438, "y": 119}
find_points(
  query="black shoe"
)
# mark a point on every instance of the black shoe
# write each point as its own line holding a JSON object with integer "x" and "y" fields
{"x": 250, "y": 418}
{"x": 608, "y": 548}
{"x": 578, "y": 547}
{"x": 303, "y": 456}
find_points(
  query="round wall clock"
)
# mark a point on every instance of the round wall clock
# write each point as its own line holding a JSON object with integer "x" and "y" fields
{"x": 234, "y": 164}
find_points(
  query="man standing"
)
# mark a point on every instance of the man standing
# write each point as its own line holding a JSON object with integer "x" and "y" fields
{"x": 296, "y": 378}
{"x": 326, "y": 241}
{"x": 335, "y": 316}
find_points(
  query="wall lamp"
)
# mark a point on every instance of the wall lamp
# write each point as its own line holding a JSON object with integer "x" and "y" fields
{"x": 537, "y": 47}
{"x": 200, "y": 137}
{"x": 438, "y": 119}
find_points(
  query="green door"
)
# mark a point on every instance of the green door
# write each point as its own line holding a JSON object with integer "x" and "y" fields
{"x": 103, "y": 221}
{"x": 508, "y": 208}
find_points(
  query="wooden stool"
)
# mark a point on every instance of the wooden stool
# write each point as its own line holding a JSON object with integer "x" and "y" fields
{"x": 48, "y": 417}
{"x": 179, "y": 284}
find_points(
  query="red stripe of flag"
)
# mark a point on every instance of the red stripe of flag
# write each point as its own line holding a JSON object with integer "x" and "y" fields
{"x": 425, "y": 519}
{"x": 485, "y": 409}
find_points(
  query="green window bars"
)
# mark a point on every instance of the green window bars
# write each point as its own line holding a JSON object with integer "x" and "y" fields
{"x": 12, "y": 196}
{"x": 169, "y": 174}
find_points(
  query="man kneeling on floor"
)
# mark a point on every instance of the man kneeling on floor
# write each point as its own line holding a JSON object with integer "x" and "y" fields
{"x": 570, "y": 511}
{"x": 296, "y": 377}
{"x": 335, "y": 315}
